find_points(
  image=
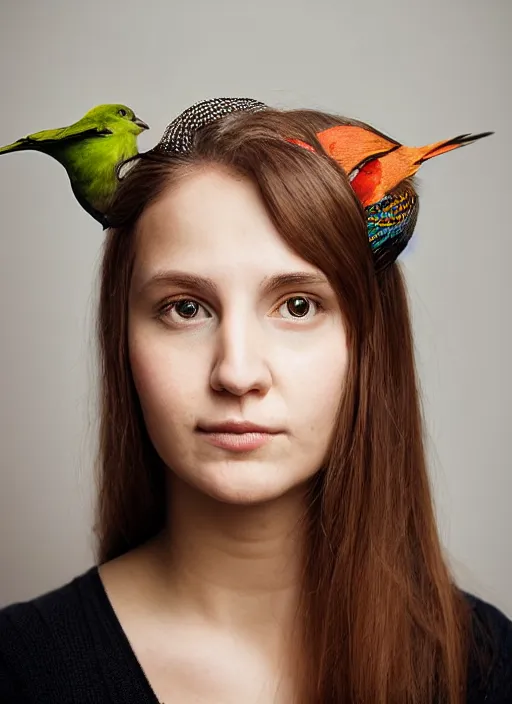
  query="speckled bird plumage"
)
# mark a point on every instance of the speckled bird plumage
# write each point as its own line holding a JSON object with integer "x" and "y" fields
{"x": 179, "y": 133}
{"x": 90, "y": 150}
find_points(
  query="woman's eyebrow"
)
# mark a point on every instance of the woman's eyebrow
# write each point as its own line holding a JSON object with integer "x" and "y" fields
{"x": 269, "y": 284}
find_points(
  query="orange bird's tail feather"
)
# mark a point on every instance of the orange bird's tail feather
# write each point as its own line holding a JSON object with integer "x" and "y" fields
{"x": 404, "y": 162}
{"x": 438, "y": 148}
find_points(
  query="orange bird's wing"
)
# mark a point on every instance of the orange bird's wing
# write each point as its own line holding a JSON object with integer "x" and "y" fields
{"x": 351, "y": 145}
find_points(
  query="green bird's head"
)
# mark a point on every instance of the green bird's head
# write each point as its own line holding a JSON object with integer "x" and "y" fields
{"x": 118, "y": 118}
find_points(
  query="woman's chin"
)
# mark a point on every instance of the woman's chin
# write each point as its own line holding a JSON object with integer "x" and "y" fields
{"x": 243, "y": 483}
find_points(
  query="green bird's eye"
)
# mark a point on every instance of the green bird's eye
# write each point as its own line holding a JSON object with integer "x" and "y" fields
{"x": 122, "y": 112}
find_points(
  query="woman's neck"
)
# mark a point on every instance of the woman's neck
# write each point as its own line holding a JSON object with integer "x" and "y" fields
{"x": 236, "y": 566}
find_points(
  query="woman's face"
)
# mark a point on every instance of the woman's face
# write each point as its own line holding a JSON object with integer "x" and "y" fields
{"x": 227, "y": 324}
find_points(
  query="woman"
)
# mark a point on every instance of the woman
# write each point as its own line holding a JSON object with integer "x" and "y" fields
{"x": 265, "y": 524}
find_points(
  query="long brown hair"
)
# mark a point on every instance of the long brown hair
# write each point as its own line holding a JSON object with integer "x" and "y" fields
{"x": 383, "y": 620}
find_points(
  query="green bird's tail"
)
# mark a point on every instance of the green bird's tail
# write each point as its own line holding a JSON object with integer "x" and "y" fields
{"x": 19, "y": 146}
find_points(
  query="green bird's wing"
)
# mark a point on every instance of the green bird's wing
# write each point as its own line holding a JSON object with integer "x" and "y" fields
{"x": 83, "y": 129}
{"x": 79, "y": 130}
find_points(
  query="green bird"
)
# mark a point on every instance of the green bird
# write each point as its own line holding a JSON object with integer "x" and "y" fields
{"x": 90, "y": 151}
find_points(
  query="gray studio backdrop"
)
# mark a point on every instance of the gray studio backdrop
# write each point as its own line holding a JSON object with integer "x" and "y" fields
{"x": 420, "y": 71}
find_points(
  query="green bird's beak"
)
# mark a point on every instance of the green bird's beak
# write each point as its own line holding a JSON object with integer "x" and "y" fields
{"x": 141, "y": 123}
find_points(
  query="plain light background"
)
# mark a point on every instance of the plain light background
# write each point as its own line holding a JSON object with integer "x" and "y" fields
{"x": 419, "y": 71}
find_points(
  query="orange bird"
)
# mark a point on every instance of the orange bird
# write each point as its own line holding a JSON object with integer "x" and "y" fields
{"x": 377, "y": 166}
{"x": 376, "y": 163}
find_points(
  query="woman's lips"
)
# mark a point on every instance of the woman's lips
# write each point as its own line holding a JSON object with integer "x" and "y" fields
{"x": 237, "y": 442}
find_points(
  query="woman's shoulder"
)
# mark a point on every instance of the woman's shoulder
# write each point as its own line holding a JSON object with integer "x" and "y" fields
{"x": 487, "y": 614}
{"x": 44, "y": 637}
{"x": 490, "y": 660}
{"x": 53, "y": 611}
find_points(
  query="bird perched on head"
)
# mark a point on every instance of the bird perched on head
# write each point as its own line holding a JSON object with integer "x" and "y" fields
{"x": 90, "y": 151}
{"x": 379, "y": 169}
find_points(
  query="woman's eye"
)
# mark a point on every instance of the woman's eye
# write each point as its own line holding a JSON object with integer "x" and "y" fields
{"x": 298, "y": 307}
{"x": 182, "y": 309}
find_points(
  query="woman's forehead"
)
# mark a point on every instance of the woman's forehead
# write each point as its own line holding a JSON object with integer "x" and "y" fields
{"x": 214, "y": 225}
{"x": 204, "y": 206}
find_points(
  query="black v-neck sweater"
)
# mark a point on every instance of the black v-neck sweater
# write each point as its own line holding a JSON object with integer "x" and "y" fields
{"x": 68, "y": 647}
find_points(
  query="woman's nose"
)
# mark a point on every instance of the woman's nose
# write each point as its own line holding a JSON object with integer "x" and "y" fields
{"x": 240, "y": 364}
